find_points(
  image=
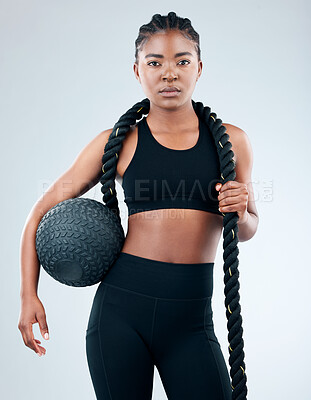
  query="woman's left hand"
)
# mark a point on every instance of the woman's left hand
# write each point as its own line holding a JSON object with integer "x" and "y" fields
{"x": 233, "y": 196}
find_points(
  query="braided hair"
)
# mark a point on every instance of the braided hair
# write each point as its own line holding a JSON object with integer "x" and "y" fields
{"x": 157, "y": 24}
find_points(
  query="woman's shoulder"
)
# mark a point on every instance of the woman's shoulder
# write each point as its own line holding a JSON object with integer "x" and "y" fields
{"x": 234, "y": 131}
{"x": 239, "y": 139}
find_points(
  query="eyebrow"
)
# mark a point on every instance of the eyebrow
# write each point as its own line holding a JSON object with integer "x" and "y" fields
{"x": 183, "y": 53}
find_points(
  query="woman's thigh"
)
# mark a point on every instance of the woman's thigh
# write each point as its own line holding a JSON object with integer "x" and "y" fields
{"x": 120, "y": 363}
{"x": 187, "y": 353}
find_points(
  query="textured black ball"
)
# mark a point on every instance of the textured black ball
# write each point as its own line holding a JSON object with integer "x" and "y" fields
{"x": 78, "y": 240}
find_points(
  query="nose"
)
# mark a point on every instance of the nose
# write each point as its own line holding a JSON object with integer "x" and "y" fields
{"x": 170, "y": 74}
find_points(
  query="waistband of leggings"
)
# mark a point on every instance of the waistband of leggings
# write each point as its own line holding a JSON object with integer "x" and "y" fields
{"x": 161, "y": 279}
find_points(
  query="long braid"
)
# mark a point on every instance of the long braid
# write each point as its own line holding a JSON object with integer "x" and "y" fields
{"x": 227, "y": 168}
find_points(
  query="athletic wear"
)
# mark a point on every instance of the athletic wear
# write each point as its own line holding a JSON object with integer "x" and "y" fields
{"x": 148, "y": 313}
{"x": 160, "y": 177}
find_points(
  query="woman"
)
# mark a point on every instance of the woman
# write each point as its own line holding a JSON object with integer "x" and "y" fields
{"x": 153, "y": 307}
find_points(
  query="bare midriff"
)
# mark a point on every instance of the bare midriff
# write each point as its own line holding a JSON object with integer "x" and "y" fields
{"x": 174, "y": 235}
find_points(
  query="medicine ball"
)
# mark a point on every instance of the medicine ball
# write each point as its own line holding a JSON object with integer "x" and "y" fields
{"x": 78, "y": 240}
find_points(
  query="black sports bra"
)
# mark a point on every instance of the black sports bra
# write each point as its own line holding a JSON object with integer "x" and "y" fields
{"x": 158, "y": 177}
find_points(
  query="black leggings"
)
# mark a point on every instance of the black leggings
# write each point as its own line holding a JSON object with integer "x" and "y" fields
{"x": 148, "y": 313}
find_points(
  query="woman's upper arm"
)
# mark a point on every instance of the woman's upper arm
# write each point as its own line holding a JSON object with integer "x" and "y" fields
{"x": 86, "y": 170}
{"x": 81, "y": 176}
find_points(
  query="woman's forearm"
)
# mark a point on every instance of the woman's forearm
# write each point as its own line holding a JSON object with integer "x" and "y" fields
{"x": 30, "y": 265}
{"x": 248, "y": 229}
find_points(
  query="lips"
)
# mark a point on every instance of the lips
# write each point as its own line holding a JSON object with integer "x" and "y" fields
{"x": 170, "y": 89}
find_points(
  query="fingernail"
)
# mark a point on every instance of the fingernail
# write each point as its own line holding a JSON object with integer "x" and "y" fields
{"x": 39, "y": 354}
{"x": 46, "y": 335}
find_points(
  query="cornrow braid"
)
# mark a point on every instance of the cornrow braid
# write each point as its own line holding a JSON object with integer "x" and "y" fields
{"x": 160, "y": 23}
{"x": 227, "y": 168}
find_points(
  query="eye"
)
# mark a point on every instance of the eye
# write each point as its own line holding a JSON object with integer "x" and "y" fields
{"x": 152, "y": 62}
{"x": 185, "y": 60}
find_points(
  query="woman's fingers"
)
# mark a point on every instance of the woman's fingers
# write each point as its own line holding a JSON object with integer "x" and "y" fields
{"x": 43, "y": 326}
{"x": 27, "y": 334}
{"x": 32, "y": 311}
{"x": 29, "y": 339}
{"x": 42, "y": 350}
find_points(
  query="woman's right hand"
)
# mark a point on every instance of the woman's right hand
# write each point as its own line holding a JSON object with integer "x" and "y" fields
{"x": 32, "y": 311}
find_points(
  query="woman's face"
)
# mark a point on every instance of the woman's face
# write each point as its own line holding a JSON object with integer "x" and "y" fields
{"x": 160, "y": 65}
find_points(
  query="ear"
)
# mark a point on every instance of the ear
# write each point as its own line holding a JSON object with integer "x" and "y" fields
{"x": 136, "y": 72}
{"x": 200, "y": 67}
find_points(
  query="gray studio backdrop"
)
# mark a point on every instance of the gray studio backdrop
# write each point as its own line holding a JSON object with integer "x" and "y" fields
{"x": 66, "y": 75}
